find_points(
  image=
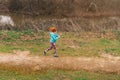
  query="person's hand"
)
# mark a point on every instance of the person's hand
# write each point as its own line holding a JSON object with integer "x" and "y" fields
{"x": 59, "y": 36}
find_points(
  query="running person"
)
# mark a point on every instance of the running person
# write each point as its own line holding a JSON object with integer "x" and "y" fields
{"x": 53, "y": 38}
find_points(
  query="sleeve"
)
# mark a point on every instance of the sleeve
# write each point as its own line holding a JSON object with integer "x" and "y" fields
{"x": 55, "y": 36}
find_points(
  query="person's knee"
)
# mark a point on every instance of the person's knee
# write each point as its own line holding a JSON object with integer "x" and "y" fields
{"x": 55, "y": 48}
{"x": 51, "y": 48}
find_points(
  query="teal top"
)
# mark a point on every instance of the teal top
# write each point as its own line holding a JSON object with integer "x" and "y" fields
{"x": 53, "y": 37}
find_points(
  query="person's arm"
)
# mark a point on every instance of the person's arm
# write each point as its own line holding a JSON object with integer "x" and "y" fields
{"x": 55, "y": 36}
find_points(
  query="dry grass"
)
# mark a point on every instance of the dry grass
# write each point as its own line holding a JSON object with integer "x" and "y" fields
{"x": 96, "y": 24}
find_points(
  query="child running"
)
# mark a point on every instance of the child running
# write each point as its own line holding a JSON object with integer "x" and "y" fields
{"x": 53, "y": 38}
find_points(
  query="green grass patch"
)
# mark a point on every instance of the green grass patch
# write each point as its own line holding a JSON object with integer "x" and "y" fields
{"x": 117, "y": 33}
{"x": 9, "y": 36}
{"x": 105, "y": 41}
{"x": 57, "y": 75}
{"x": 70, "y": 43}
{"x": 113, "y": 51}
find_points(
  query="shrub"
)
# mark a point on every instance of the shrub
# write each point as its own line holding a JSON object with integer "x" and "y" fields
{"x": 15, "y": 5}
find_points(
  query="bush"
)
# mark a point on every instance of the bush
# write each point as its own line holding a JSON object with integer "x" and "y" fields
{"x": 65, "y": 7}
{"x": 15, "y": 5}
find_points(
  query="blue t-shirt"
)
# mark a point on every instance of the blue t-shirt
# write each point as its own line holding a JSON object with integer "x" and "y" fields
{"x": 53, "y": 37}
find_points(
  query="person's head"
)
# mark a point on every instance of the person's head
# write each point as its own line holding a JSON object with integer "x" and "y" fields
{"x": 52, "y": 29}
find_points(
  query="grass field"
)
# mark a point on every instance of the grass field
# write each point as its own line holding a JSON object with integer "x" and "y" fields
{"x": 57, "y": 75}
{"x": 70, "y": 44}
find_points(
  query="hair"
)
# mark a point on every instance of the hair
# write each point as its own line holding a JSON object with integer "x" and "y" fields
{"x": 53, "y": 29}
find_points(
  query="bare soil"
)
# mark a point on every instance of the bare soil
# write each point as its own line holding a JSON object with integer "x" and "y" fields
{"x": 104, "y": 63}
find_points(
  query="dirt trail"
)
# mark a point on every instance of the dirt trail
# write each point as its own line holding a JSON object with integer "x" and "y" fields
{"x": 105, "y": 63}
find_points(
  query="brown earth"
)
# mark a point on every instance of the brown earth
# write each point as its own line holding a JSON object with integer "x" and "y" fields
{"x": 105, "y": 63}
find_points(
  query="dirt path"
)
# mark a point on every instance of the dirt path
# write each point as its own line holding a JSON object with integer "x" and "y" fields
{"x": 105, "y": 63}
